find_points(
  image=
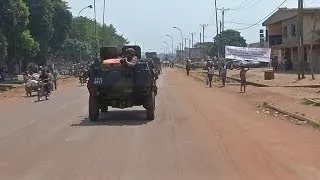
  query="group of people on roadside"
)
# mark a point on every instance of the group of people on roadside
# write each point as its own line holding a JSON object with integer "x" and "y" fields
{"x": 223, "y": 74}
{"x": 3, "y": 72}
{"x": 40, "y": 74}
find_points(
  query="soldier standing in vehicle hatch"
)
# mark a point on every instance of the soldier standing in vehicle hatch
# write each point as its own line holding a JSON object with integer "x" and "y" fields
{"x": 130, "y": 58}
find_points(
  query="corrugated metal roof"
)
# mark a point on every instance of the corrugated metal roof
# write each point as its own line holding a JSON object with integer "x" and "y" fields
{"x": 287, "y": 13}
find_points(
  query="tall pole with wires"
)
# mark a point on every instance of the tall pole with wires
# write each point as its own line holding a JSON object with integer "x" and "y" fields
{"x": 192, "y": 34}
{"x": 217, "y": 26}
{"x": 171, "y": 43}
{"x": 301, "y": 62}
{"x": 95, "y": 28}
{"x": 80, "y": 51}
{"x": 181, "y": 40}
{"x": 203, "y": 27}
{"x": 223, "y": 10}
{"x": 103, "y": 23}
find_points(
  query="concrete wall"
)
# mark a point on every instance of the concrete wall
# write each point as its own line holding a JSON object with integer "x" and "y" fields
{"x": 290, "y": 40}
{"x": 275, "y": 29}
{"x": 308, "y": 27}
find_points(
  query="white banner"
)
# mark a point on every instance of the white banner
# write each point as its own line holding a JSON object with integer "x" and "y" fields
{"x": 250, "y": 54}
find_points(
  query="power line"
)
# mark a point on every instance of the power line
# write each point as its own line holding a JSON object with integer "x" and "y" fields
{"x": 246, "y": 5}
{"x": 240, "y": 23}
{"x": 255, "y": 3}
{"x": 262, "y": 19}
{"x": 240, "y": 6}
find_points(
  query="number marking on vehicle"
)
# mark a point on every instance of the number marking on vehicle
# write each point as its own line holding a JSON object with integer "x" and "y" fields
{"x": 98, "y": 81}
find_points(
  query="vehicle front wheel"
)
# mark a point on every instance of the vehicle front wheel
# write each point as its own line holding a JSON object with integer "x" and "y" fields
{"x": 93, "y": 109}
{"x": 150, "y": 107}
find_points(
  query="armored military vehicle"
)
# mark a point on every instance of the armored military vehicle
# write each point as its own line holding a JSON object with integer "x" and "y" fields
{"x": 112, "y": 83}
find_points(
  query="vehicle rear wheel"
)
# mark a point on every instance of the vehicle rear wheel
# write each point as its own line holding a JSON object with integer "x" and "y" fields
{"x": 104, "y": 108}
{"x": 93, "y": 109}
{"x": 150, "y": 107}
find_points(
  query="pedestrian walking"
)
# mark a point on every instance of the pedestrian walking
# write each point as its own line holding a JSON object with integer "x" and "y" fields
{"x": 210, "y": 74}
{"x": 188, "y": 67}
{"x": 223, "y": 74}
{"x": 55, "y": 78}
{"x": 243, "y": 73}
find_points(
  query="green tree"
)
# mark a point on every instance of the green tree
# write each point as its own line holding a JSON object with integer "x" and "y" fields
{"x": 208, "y": 47}
{"x": 41, "y": 26}
{"x": 27, "y": 48}
{"x": 228, "y": 38}
{"x": 83, "y": 31}
{"x": 3, "y": 47}
{"x": 13, "y": 21}
{"x": 73, "y": 48}
{"x": 62, "y": 19}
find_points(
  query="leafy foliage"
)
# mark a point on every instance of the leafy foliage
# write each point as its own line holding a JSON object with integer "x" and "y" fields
{"x": 27, "y": 46}
{"x": 225, "y": 38}
{"x": 3, "y": 47}
{"x": 83, "y": 31}
{"x": 62, "y": 19}
{"x": 41, "y": 30}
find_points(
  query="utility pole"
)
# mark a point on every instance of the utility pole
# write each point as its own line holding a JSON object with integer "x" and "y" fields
{"x": 217, "y": 26}
{"x": 203, "y": 26}
{"x": 200, "y": 45}
{"x": 181, "y": 53}
{"x": 220, "y": 27}
{"x": 95, "y": 29}
{"x": 103, "y": 22}
{"x": 316, "y": 16}
{"x": 189, "y": 52}
{"x": 223, "y": 12}
{"x": 192, "y": 34}
{"x": 185, "y": 47}
{"x": 301, "y": 43}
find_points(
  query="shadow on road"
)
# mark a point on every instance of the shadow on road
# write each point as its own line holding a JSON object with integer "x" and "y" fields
{"x": 81, "y": 85}
{"x": 33, "y": 95}
{"x": 117, "y": 118}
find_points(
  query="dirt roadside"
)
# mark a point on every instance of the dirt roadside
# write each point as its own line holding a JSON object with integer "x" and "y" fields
{"x": 289, "y": 99}
{"x": 18, "y": 94}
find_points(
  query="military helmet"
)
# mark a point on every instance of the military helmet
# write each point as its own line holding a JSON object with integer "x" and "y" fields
{"x": 130, "y": 51}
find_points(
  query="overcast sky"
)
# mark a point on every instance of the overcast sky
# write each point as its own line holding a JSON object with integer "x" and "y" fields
{"x": 146, "y": 22}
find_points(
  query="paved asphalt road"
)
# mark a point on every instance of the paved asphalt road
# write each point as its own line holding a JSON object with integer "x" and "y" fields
{"x": 199, "y": 133}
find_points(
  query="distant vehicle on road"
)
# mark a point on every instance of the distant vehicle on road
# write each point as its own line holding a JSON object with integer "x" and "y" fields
{"x": 156, "y": 60}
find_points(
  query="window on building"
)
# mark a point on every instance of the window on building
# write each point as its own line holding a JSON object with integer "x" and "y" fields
{"x": 285, "y": 31}
{"x": 293, "y": 30}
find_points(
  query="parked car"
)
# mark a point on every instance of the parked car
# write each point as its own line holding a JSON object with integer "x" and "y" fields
{"x": 247, "y": 63}
{"x": 196, "y": 65}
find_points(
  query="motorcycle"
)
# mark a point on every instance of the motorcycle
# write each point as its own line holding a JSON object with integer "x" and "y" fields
{"x": 83, "y": 81}
{"x": 43, "y": 90}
